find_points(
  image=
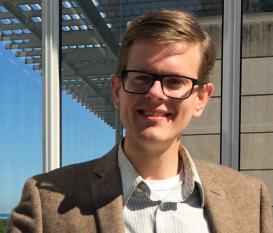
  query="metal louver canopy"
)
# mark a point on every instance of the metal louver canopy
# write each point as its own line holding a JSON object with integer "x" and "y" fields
{"x": 91, "y": 31}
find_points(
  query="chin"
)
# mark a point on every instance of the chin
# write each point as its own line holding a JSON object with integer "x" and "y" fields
{"x": 153, "y": 136}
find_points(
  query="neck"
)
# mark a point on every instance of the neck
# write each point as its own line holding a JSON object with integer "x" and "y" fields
{"x": 154, "y": 161}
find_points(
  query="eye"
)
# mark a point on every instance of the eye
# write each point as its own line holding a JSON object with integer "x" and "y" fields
{"x": 141, "y": 79}
{"x": 175, "y": 82}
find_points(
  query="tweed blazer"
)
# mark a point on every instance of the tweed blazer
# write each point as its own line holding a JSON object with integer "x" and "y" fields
{"x": 87, "y": 197}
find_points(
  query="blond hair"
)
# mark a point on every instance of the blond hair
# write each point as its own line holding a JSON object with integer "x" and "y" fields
{"x": 168, "y": 26}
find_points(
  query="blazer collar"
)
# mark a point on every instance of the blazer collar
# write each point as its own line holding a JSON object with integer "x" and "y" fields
{"x": 217, "y": 207}
{"x": 107, "y": 194}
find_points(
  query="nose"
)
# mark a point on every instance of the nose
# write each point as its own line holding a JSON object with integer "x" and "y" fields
{"x": 155, "y": 92}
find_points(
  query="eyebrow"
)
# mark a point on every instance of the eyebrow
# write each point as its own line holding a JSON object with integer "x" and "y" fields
{"x": 158, "y": 73}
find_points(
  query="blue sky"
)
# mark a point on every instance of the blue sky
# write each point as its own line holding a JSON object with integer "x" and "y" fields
{"x": 84, "y": 135}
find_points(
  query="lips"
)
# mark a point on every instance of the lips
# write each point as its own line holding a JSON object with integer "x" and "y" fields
{"x": 154, "y": 113}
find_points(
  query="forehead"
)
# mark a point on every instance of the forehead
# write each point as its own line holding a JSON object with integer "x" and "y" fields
{"x": 165, "y": 57}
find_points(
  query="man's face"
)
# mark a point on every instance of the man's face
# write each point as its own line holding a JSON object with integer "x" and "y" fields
{"x": 154, "y": 117}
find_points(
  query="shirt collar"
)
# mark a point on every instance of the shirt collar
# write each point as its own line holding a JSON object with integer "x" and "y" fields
{"x": 131, "y": 179}
{"x": 129, "y": 176}
{"x": 196, "y": 178}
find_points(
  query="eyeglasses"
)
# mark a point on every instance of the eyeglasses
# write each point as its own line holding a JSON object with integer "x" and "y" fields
{"x": 174, "y": 86}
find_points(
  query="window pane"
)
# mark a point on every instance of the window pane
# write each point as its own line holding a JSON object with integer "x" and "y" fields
{"x": 257, "y": 91}
{"x": 87, "y": 63}
{"x": 21, "y": 100}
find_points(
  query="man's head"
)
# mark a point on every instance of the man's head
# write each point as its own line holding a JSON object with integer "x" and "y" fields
{"x": 159, "y": 85}
{"x": 167, "y": 27}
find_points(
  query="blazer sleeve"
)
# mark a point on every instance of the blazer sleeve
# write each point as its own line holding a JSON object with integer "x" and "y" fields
{"x": 266, "y": 211}
{"x": 27, "y": 216}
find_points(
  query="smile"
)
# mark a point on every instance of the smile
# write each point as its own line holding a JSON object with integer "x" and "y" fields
{"x": 154, "y": 113}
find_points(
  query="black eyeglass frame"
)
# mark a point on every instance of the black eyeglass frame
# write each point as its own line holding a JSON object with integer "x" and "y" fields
{"x": 158, "y": 77}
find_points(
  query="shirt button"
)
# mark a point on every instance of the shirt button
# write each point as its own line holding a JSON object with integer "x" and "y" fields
{"x": 162, "y": 206}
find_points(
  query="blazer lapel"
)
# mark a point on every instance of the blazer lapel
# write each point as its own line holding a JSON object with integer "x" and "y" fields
{"x": 217, "y": 206}
{"x": 107, "y": 195}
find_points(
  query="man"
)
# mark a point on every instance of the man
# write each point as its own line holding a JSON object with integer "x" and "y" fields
{"x": 149, "y": 183}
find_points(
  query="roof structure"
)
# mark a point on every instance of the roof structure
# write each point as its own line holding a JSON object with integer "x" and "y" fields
{"x": 91, "y": 31}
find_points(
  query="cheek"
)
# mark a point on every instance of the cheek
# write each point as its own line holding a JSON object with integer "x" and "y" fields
{"x": 126, "y": 108}
{"x": 185, "y": 111}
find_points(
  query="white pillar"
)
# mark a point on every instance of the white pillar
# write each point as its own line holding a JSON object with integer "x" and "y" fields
{"x": 51, "y": 85}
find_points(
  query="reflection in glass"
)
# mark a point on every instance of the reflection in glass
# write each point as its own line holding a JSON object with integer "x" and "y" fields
{"x": 21, "y": 99}
{"x": 87, "y": 63}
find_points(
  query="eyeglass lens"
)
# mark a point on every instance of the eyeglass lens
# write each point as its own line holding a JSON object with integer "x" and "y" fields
{"x": 172, "y": 86}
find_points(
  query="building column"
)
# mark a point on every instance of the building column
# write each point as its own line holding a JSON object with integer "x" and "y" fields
{"x": 231, "y": 84}
{"x": 51, "y": 85}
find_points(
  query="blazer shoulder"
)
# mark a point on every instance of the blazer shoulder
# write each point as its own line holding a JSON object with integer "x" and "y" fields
{"x": 74, "y": 175}
{"x": 237, "y": 191}
{"x": 225, "y": 174}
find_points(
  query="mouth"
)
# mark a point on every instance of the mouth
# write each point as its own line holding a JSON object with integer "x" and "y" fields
{"x": 154, "y": 113}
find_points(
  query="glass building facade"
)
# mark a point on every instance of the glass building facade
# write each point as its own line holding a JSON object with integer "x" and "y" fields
{"x": 256, "y": 128}
{"x": 56, "y": 107}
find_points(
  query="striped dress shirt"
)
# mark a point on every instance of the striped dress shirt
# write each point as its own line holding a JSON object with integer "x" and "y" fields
{"x": 180, "y": 210}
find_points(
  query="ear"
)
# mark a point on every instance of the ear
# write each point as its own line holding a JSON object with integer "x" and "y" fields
{"x": 115, "y": 86}
{"x": 203, "y": 96}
